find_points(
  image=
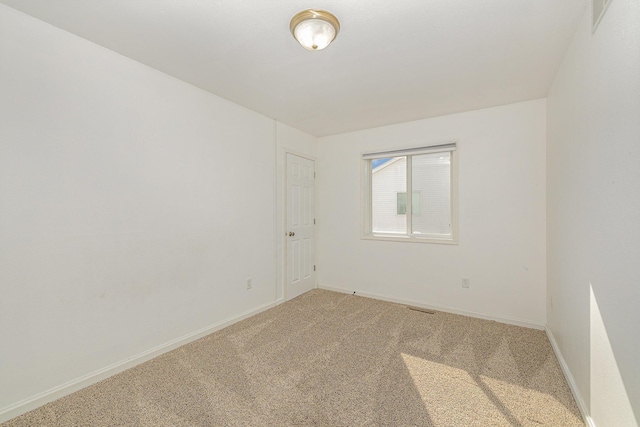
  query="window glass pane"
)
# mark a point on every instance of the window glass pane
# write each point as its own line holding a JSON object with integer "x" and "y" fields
{"x": 388, "y": 178}
{"x": 415, "y": 203}
{"x": 402, "y": 203}
{"x": 431, "y": 178}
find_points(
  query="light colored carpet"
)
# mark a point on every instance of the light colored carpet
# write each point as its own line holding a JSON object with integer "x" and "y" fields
{"x": 330, "y": 359}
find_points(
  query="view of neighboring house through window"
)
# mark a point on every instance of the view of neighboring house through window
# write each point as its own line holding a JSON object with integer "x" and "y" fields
{"x": 425, "y": 173}
{"x": 415, "y": 203}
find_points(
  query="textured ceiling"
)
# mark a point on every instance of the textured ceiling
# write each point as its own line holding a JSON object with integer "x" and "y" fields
{"x": 393, "y": 61}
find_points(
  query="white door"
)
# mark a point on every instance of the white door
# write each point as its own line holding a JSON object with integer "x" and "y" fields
{"x": 300, "y": 231}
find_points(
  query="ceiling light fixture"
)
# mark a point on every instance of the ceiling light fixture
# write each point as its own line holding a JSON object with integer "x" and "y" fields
{"x": 314, "y": 29}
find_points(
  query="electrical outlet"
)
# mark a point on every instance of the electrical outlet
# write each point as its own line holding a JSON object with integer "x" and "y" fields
{"x": 249, "y": 283}
{"x": 465, "y": 282}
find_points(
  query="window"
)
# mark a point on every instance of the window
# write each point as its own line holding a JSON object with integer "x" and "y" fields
{"x": 428, "y": 174}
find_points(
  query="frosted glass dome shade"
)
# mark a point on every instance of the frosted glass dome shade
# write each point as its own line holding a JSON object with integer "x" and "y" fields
{"x": 314, "y": 29}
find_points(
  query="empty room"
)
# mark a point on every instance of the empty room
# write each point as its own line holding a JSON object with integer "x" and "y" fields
{"x": 329, "y": 213}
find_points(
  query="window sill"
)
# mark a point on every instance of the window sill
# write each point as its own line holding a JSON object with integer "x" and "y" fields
{"x": 407, "y": 239}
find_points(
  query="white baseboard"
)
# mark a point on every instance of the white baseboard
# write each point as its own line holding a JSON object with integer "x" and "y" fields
{"x": 69, "y": 387}
{"x": 511, "y": 321}
{"x": 572, "y": 384}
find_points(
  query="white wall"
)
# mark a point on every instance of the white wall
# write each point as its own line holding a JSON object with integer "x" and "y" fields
{"x": 593, "y": 207}
{"x": 501, "y": 222}
{"x": 133, "y": 207}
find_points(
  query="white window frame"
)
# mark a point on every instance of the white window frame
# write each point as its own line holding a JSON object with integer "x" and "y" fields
{"x": 366, "y": 194}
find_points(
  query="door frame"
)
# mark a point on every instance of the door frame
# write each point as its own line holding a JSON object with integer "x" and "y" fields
{"x": 283, "y": 235}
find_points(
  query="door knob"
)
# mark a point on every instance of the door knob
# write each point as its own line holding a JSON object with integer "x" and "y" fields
{"x": 292, "y": 233}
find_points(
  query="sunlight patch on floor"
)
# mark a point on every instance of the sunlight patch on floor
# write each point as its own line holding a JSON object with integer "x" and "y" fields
{"x": 455, "y": 397}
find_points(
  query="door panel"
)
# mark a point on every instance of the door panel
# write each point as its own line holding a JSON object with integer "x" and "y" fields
{"x": 300, "y": 232}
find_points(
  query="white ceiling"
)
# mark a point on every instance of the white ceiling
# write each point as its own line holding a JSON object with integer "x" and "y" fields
{"x": 393, "y": 61}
